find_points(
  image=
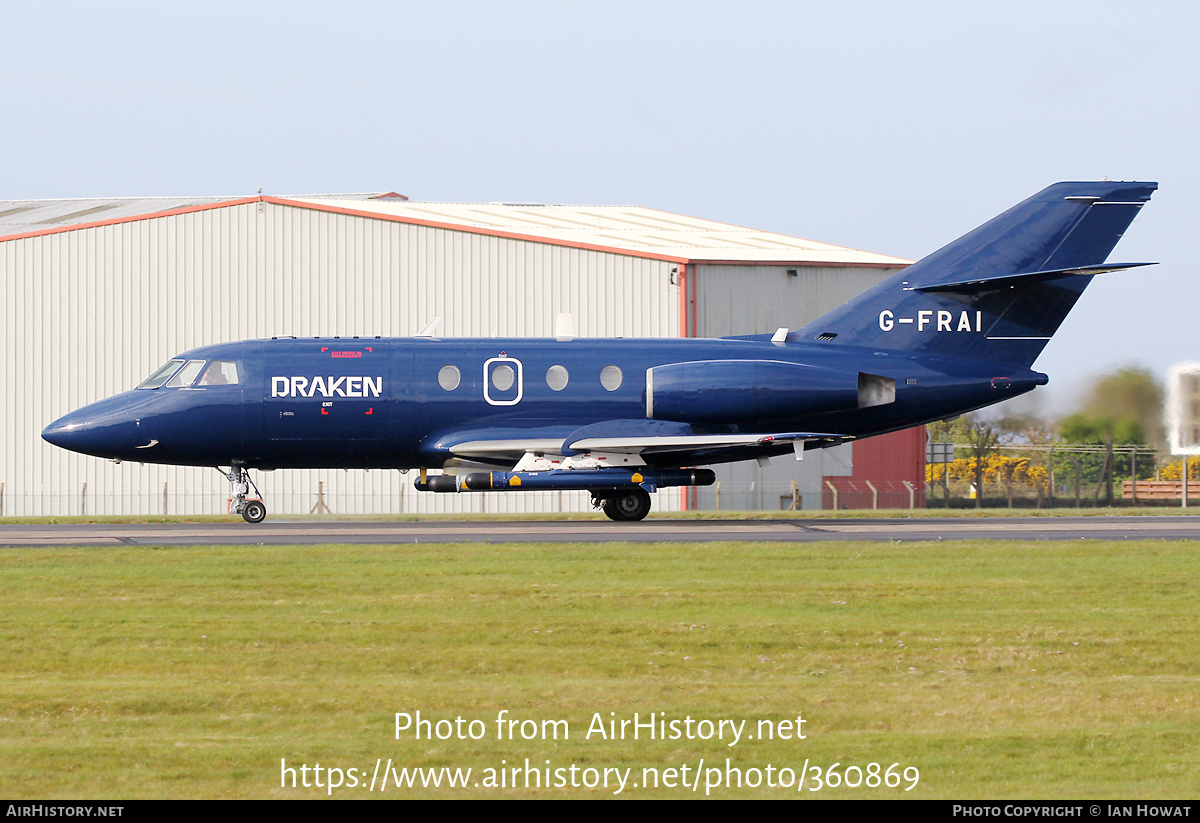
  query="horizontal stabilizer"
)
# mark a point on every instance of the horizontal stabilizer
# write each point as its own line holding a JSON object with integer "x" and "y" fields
{"x": 1003, "y": 280}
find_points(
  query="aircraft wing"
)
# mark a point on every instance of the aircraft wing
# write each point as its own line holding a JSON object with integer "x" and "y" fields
{"x": 664, "y": 444}
{"x": 684, "y": 445}
{"x": 506, "y": 451}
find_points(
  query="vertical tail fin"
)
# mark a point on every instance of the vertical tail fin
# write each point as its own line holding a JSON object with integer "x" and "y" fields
{"x": 1000, "y": 291}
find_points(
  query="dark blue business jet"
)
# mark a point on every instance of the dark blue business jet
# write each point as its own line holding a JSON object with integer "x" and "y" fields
{"x": 954, "y": 332}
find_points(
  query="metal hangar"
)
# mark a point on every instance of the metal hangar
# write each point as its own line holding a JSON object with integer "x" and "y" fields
{"x": 99, "y": 292}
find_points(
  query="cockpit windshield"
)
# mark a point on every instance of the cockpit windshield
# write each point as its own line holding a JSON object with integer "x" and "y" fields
{"x": 161, "y": 376}
{"x": 186, "y": 375}
{"x": 180, "y": 374}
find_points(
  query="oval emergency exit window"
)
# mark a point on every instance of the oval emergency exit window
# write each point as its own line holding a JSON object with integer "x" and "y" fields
{"x": 503, "y": 377}
{"x": 502, "y": 382}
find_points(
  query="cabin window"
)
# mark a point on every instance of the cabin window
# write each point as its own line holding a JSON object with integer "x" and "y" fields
{"x": 557, "y": 377}
{"x": 449, "y": 377}
{"x": 503, "y": 377}
{"x": 220, "y": 373}
{"x": 186, "y": 375}
{"x": 161, "y": 376}
{"x": 610, "y": 378}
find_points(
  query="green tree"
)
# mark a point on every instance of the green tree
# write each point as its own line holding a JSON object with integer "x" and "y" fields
{"x": 1128, "y": 405}
{"x": 1123, "y": 407}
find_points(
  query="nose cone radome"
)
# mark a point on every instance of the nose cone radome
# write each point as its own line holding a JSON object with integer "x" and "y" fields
{"x": 106, "y": 429}
{"x": 77, "y": 435}
{"x": 64, "y": 432}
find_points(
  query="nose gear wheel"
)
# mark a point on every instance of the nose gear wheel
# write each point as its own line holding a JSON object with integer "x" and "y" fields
{"x": 252, "y": 509}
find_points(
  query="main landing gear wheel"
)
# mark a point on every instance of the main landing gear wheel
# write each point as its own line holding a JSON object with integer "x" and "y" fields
{"x": 253, "y": 511}
{"x": 633, "y": 504}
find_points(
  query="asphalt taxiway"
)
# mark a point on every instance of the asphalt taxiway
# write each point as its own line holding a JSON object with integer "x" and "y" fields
{"x": 283, "y": 532}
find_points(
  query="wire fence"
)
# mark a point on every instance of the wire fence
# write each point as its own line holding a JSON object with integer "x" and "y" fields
{"x": 725, "y": 496}
{"x": 135, "y": 504}
{"x": 322, "y": 499}
{"x": 879, "y": 494}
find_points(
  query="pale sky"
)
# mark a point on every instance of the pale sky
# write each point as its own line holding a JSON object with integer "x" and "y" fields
{"x": 892, "y": 127}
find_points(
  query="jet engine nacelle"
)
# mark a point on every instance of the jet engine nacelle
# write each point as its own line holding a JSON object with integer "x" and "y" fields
{"x": 731, "y": 391}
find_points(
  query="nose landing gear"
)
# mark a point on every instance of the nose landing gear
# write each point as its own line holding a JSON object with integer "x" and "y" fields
{"x": 252, "y": 509}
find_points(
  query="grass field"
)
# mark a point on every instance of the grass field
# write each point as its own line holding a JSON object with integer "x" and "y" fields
{"x": 758, "y": 514}
{"x": 996, "y": 669}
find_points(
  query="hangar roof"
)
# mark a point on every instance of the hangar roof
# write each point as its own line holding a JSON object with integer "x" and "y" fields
{"x": 21, "y": 216}
{"x": 628, "y": 229}
{"x": 632, "y": 228}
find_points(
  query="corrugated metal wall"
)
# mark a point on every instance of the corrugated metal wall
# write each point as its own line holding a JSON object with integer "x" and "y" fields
{"x": 894, "y": 464}
{"x": 733, "y": 299}
{"x": 745, "y": 299}
{"x": 91, "y": 312}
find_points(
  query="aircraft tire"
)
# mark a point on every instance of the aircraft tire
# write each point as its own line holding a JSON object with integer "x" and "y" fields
{"x": 254, "y": 511}
{"x": 628, "y": 506}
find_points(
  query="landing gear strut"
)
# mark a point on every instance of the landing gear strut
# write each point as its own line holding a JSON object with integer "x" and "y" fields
{"x": 252, "y": 509}
{"x": 624, "y": 505}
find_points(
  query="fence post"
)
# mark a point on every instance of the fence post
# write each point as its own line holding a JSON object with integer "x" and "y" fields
{"x": 319, "y": 507}
{"x": 912, "y": 494}
{"x": 833, "y": 489}
{"x": 718, "y": 490}
{"x": 1108, "y": 461}
{"x": 83, "y": 501}
{"x": 874, "y": 495}
{"x": 1133, "y": 471}
{"x": 164, "y": 499}
{"x": 1052, "y": 475}
{"x": 795, "y": 497}
{"x": 1, "y": 499}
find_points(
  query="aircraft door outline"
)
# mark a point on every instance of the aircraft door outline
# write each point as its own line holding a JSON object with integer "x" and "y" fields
{"x": 501, "y": 375}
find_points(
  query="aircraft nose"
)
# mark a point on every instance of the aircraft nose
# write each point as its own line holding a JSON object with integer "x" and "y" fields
{"x": 64, "y": 432}
{"x": 93, "y": 430}
{"x": 77, "y": 434}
